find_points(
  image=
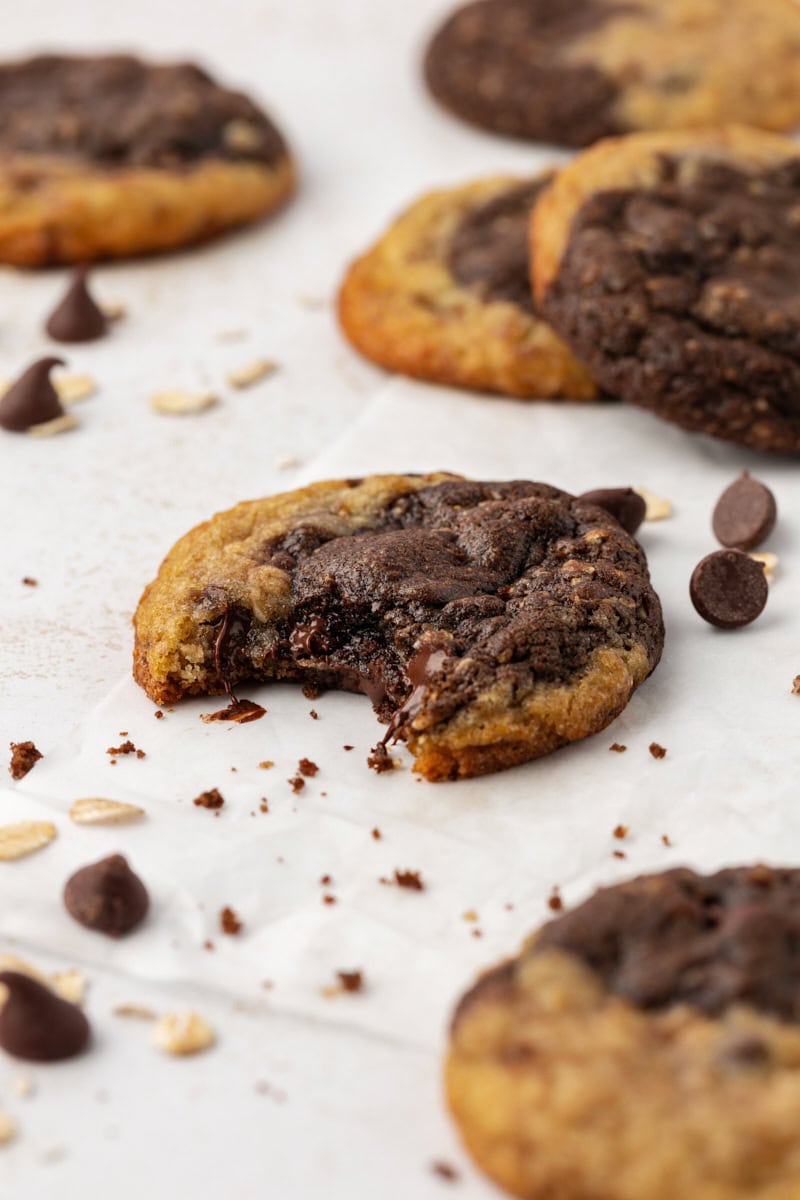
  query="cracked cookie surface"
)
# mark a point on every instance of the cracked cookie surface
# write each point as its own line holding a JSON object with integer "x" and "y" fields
{"x": 445, "y": 295}
{"x": 490, "y": 623}
{"x": 109, "y": 156}
{"x": 572, "y": 73}
{"x": 668, "y": 263}
{"x": 644, "y": 1044}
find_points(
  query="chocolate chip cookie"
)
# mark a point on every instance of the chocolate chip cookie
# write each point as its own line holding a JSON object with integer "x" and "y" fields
{"x": 445, "y": 295}
{"x": 646, "y": 1044}
{"x": 488, "y": 623}
{"x": 669, "y": 263}
{"x": 574, "y": 72}
{"x": 108, "y": 157}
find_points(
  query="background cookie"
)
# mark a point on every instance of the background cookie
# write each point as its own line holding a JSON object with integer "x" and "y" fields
{"x": 108, "y": 157}
{"x": 644, "y": 1045}
{"x": 445, "y": 295}
{"x": 669, "y": 263}
{"x": 490, "y": 623}
{"x": 574, "y": 72}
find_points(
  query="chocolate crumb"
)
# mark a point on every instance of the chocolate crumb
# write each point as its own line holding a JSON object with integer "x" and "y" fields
{"x": 325, "y": 880}
{"x": 380, "y": 760}
{"x": 210, "y": 799}
{"x": 665, "y": 840}
{"x": 617, "y": 748}
{"x": 376, "y": 833}
{"x": 24, "y": 757}
{"x": 208, "y": 944}
{"x": 621, "y": 832}
{"x": 477, "y": 933}
{"x": 307, "y": 767}
{"x": 29, "y": 581}
{"x": 158, "y": 714}
{"x": 351, "y": 981}
{"x": 229, "y": 921}
{"x": 554, "y": 900}
{"x": 445, "y": 1171}
{"x": 125, "y": 748}
{"x": 266, "y": 764}
{"x": 328, "y": 899}
{"x": 353, "y": 747}
{"x": 311, "y": 691}
{"x": 409, "y": 879}
{"x": 314, "y": 714}
{"x": 297, "y": 784}
{"x": 263, "y": 805}
{"x": 657, "y": 751}
{"x": 619, "y": 854}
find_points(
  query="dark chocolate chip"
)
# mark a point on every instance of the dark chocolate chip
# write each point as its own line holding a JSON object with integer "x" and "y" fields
{"x": 76, "y": 318}
{"x": 623, "y": 503}
{"x": 729, "y": 589}
{"x": 32, "y": 399}
{"x": 107, "y": 896}
{"x": 745, "y": 514}
{"x": 37, "y": 1024}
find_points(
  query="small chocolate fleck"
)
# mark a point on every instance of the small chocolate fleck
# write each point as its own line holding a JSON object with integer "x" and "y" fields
{"x": 351, "y": 981}
{"x": 158, "y": 714}
{"x": 213, "y": 798}
{"x": 745, "y": 514}
{"x": 409, "y": 879}
{"x": 239, "y": 711}
{"x": 297, "y": 784}
{"x": 729, "y": 589}
{"x": 229, "y": 922}
{"x": 107, "y": 896}
{"x": 624, "y": 504}
{"x": 125, "y": 748}
{"x": 327, "y": 899}
{"x": 796, "y": 686}
{"x": 617, "y": 748}
{"x": 32, "y": 399}
{"x": 312, "y": 712}
{"x": 657, "y": 751}
{"x": 554, "y": 900}
{"x": 307, "y": 767}
{"x": 348, "y": 747}
{"x": 619, "y": 854}
{"x": 77, "y": 318}
{"x": 380, "y": 760}
{"x": 621, "y": 832}
{"x": 666, "y": 840}
{"x": 29, "y": 581}
{"x": 376, "y": 833}
{"x": 38, "y": 1025}
{"x": 445, "y": 1171}
{"x": 24, "y": 757}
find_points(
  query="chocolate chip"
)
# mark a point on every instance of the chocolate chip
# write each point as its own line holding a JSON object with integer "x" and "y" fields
{"x": 623, "y": 503}
{"x": 745, "y": 514}
{"x": 32, "y": 399}
{"x": 76, "y": 318}
{"x": 728, "y": 589}
{"x": 743, "y": 1052}
{"x": 37, "y": 1024}
{"x": 107, "y": 896}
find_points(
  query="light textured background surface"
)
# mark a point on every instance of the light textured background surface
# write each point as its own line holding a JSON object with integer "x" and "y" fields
{"x": 305, "y": 1096}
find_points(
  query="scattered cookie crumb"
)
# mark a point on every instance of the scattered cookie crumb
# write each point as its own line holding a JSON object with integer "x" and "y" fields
{"x": 266, "y": 764}
{"x": 328, "y": 899}
{"x": 182, "y": 1033}
{"x": 326, "y": 880}
{"x": 554, "y": 900}
{"x": 125, "y": 748}
{"x": 210, "y": 799}
{"x": 263, "y": 805}
{"x": 229, "y": 922}
{"x": 445, "y": 1171}
{"x": 617, "y": 748}
{"x": 250, "y": 373}
{"x": 657, "y": 751}
{"x": 469, "y": 915}
{"x": 24, "y": 757}
{"x": 657, "y": 508}
{"x": 619, "y": 854}
{"x": 380, "y": 760}
{"x": 376, "y": 834}
{"x": 348, "y": 747}
{"x": 180, "y": 404}
{"x": 621, "y": 832}
{"x": 666, "y": 840}
{"x": 351, "y": 981}
{"x": 307, "y": 767}
{"x": 312, "y": 712}
{"x": 209, "y": 946}
{"x": 796, "y": 686}
{"x": 409, "y": 879}
{"x": 29, "y": 581}
{"x": 158, "y": 714}
{"x": 297, "y": 784}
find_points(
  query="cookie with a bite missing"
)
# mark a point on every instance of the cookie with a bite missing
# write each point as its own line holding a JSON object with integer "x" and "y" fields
{"x": 646, "y": 1044}
{"x": 445, "y": 295}
{"x": 668, "y": 262}
{"x": 110, "y": 157}
{"x": 489, "y": 623}
{"x": 573, "y": 72}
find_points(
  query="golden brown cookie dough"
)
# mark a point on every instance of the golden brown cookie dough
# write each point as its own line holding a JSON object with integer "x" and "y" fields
{"x": 110, "y": 157}
{"x": 574, "y": 72}
{"x": 489, "y": 623}
{"x": 645, "y": 1045}
{"x": 445, "y": 295}
{"x": 669, "y": 264}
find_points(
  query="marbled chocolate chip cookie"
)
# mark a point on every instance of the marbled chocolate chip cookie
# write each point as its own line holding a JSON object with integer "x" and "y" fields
{"x": 573, "y": 71}
{"x": 646, "y": 1044}
{"x": 445, "y": 295}
{"x": 669, "y": 264}
{"x": 489, "y": 623}
{"x": 109, "y": 157}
